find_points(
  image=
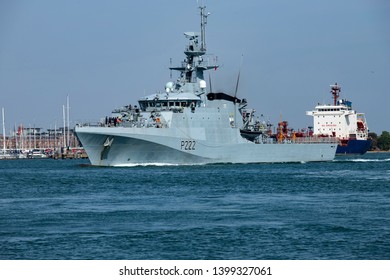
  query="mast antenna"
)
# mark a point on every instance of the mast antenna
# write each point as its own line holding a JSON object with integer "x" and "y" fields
{"x": 203, "y": 22}
{"x": 238, "y": 77}
{"x": 170, "y": 61}
{"x": 211, "y": 87}
{"x": 335, "y": 90}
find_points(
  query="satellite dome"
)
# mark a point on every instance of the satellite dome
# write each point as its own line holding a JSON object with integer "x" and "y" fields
{"x": 169, "y": 86}
{"x": 202, "y": 84}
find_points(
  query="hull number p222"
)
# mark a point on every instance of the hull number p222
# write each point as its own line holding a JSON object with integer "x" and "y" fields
{"x": 188, "y": 145}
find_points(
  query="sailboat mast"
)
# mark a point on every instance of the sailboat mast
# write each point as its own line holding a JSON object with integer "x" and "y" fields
{"x": 67, "y": 108}
{"x": 64, "y": 132}
{"x": 2, "y": 112}
{"x": 16, "y": 138}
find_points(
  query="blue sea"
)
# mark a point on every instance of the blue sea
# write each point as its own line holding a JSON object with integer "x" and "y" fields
{"x": 66, "y": 209}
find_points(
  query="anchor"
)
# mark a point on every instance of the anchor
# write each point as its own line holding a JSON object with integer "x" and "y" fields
{"x": 106, "y": 147}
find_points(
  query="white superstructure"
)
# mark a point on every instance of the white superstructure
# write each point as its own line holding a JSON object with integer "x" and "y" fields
{"x": 339, "y": 120}
{"x": 342, "y": 122}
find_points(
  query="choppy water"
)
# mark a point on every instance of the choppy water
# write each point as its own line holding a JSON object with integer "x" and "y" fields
{"x": 65, "y": 210}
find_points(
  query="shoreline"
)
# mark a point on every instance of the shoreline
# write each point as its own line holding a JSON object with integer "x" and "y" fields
{"x": 384, "y": 152}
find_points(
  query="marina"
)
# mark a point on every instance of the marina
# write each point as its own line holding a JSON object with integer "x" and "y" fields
{"x": 33, "y": 143}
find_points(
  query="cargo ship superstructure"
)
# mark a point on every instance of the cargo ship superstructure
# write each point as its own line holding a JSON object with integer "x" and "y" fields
{"x": 341, "y": 121}
{"x": 187, "y": 124}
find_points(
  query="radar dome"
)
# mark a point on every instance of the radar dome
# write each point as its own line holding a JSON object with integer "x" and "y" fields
{"x": 169, "y": 86}
{"x": 202, "y": 84}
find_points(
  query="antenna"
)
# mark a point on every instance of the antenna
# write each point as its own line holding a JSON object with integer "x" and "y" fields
{"x": 335, "y": 90}
{"x": 170, "y": 61}
{"x": 203, "y": 22}
{"x": 238, "y": 77}
{"x": 211, "y": 88}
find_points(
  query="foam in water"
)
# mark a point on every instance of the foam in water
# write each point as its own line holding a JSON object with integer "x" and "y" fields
{"x": 369, "y": 160}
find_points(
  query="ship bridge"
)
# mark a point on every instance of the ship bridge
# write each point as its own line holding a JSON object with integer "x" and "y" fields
{"x": 338, "y": 120}
{"x": 169, "y": 101}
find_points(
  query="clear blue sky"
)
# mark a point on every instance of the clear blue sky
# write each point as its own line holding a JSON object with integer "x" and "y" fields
{"x": 105, "y": 54}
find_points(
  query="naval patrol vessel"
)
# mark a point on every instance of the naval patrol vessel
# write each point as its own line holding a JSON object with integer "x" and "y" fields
{"x": 187, "y": 124}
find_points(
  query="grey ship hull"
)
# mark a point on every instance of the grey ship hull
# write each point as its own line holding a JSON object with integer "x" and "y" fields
{"x": 124, "y": 146}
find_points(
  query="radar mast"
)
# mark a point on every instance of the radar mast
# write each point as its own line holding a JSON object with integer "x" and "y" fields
{"x": 335, "y": 90}
{"x": 203, "y": 22}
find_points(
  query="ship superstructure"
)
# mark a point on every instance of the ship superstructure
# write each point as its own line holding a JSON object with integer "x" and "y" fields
{"x": 187, "y": 124}
{"x": 340, "y": 120}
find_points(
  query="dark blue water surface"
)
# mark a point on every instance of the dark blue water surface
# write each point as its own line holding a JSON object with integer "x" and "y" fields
{"x": 64, "y": 209}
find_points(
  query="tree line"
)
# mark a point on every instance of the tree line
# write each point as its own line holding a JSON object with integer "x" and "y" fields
{"x": 381, "y": 142}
